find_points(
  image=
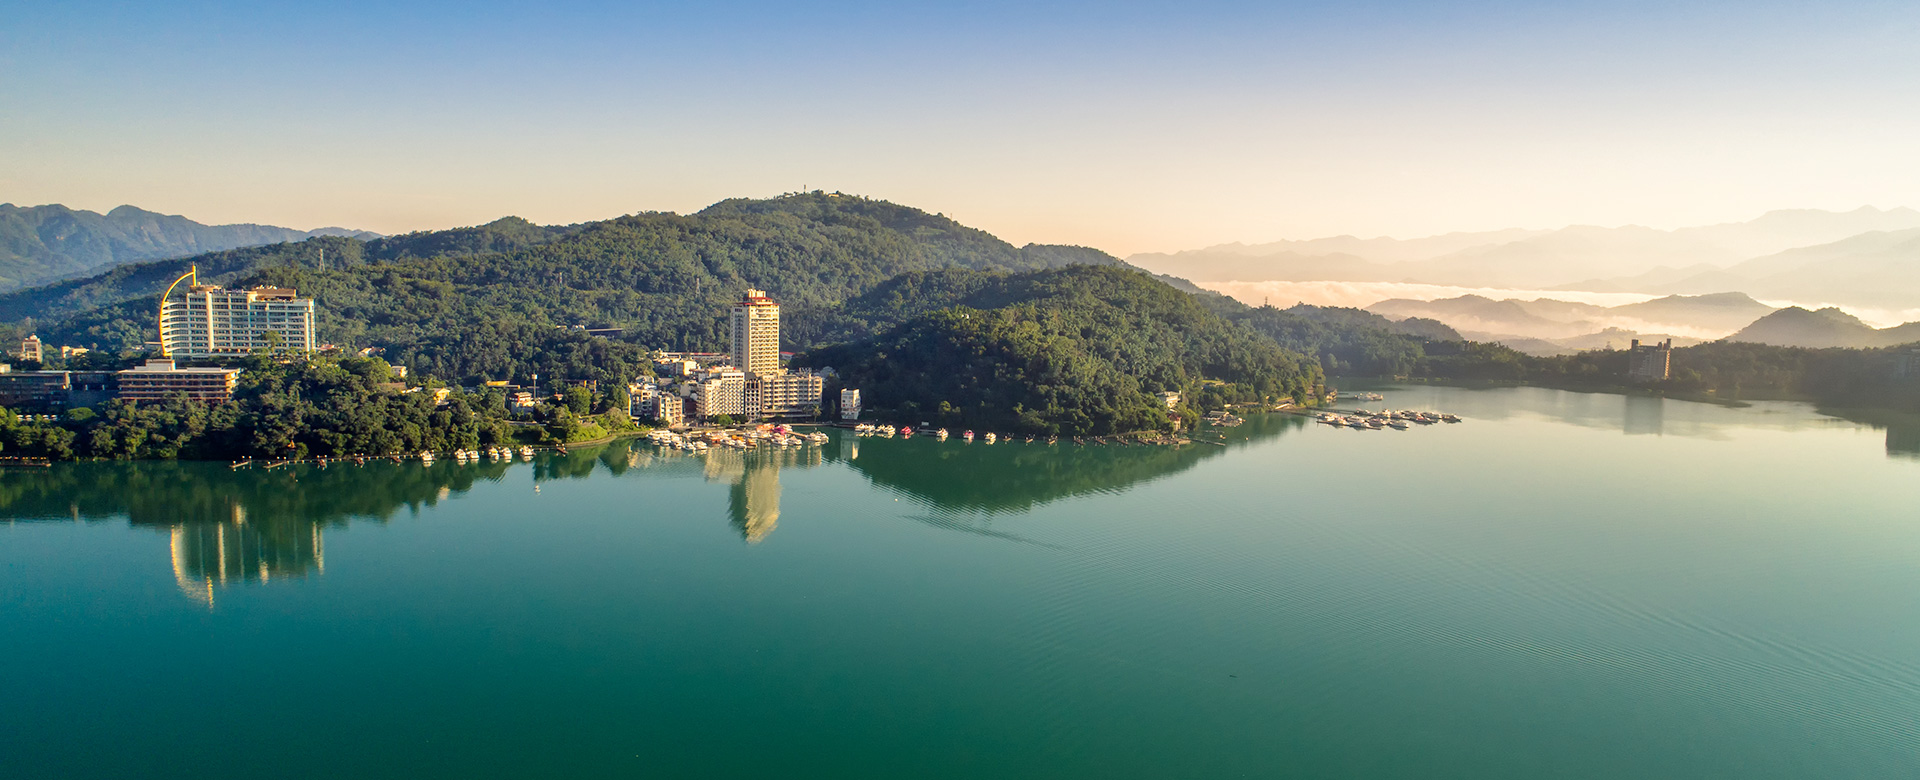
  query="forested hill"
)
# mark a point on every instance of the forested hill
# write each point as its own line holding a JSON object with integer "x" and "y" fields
{"x": 489, "y": 301}
{"x": 1081, "y": 349}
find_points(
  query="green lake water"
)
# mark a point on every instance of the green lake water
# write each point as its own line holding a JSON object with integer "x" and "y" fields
{"x": 1565, "y": 585}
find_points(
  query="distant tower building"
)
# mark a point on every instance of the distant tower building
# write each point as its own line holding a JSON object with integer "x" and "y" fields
{"x": 210, "y": 321}
{"x": 1651, "y": 363}
{"x": 756, "y": 333}
{"x": 30, "y": 349}
{"x": 849, "y": 404}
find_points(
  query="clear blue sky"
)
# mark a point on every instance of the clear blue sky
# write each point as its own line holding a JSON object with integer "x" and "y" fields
{"x": 1131, "y": 127}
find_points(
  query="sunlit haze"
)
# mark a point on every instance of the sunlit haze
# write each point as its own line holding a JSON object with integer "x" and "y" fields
{"x": 1128, "y": 127}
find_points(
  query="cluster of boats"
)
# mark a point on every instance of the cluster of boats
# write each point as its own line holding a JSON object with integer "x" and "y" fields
{"x": 1360, "y": 396}
{"x": 1373, "y": 421}
{"x": 905, "y": 431}
{"x": 776, "y": 436}
{"x": 473, "y": 456}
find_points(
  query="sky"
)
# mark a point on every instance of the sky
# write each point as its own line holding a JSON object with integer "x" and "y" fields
{"x": 1130, "y": 127}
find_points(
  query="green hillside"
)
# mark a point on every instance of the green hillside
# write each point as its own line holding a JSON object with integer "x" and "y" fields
{"x": 1076, "y": 350}
{"x": 496, "y": 300}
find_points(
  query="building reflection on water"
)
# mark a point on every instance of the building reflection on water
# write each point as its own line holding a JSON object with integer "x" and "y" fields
{"x": 227, "y": 527}
{"x": 1644, "y": 415}
{"x": 209, "y": 555}
{"x": 752, "y": 476}
{"x": 753, "y": 499}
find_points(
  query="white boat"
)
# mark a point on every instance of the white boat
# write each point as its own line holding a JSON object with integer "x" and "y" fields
{"x": 426, "y": 457}
{"x": 992, "y": 438}
{"x": 940, "y": 434}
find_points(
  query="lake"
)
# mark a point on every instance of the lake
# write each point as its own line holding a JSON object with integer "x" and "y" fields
{"x": 1566, "y": 585}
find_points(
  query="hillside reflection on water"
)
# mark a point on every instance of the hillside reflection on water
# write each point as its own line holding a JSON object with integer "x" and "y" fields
{"x": 226, "y": 527}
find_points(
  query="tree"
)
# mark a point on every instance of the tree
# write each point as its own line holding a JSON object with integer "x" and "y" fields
{"x": 579, "y": 400}
{"x": 618, "y": 398}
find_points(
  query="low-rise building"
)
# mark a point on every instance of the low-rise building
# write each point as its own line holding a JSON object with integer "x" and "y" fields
{"x": 33, "y": 388}
{"x": 1171, "y": 399}
{"x": 849, "y": 404}
{"x": 30, "y": 349}
{"x": 786, "y": 396}
{"x": 720, "y": 390}
{"x": 160, "y": 379}
{"x": 640, "y": 399}
{"x": 666, "y": 408}
{"x": 90, "y": 388}
{"x": 677, "y": 367}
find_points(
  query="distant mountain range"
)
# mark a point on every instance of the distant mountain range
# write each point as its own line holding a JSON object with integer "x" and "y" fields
{"x": 1544, "y": 326}
{"x": 1867, "y": 256}
{"x": 43, "y": 243}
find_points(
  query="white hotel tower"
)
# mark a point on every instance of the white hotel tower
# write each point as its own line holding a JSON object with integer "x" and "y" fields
{"x": 770, "y": 392}
{"x": 756, "y": 334}
{"x": 210, "y": 321}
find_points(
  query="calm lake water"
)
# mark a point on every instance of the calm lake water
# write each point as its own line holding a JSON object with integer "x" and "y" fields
{"x": 1566, "y": 585}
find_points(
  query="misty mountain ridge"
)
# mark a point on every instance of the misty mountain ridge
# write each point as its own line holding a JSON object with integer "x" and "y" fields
{"x": 1830, "y": 327}
{"x": 1544, "y": 326}
{"x": 44, "y": 243}
{"x": 1784, "y": 253}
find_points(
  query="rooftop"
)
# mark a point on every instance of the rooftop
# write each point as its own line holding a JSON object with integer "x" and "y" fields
{"x": 168, "y": 366}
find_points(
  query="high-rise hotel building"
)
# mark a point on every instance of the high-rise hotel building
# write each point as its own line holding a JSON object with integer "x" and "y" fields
{"x": 210, "y": 321}
{"x": 770, "y": 392}
{"x": 756, "y": 333}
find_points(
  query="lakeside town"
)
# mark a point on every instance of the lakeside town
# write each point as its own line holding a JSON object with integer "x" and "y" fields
{"x": 741, "y": 398}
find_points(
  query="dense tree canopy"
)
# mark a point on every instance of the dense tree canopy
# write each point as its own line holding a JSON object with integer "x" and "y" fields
{"x": 1082, "y": 349}
{"x": 487, "y": 302}
{"x": 306, "y": 408}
